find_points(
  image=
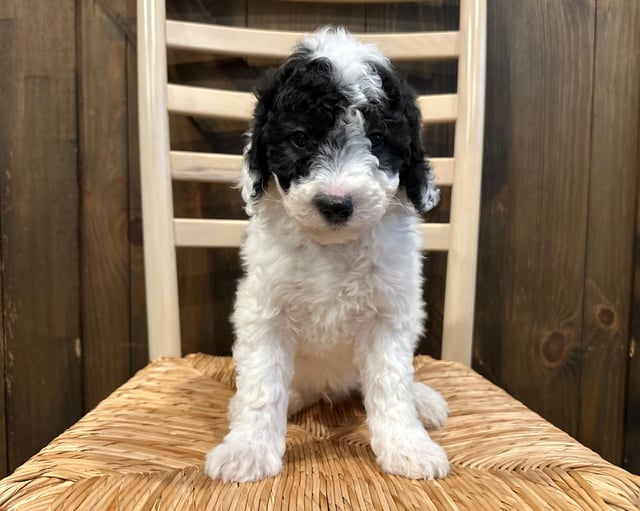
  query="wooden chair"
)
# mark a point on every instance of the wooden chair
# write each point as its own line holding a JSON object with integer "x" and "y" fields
{"x": 143, "y": 447}
{"x": 160, "y": 165}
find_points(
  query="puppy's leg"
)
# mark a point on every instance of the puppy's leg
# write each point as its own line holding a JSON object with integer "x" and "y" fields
{"x": 254, "y": 447}
{"x": 430, "y": 405}
{"x": 400, "y": 442}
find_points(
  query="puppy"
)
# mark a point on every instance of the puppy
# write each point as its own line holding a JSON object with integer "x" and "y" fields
{"x": 334, "y": 174}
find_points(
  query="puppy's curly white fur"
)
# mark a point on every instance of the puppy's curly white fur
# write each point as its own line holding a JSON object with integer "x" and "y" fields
{"x": 333, "y": 177}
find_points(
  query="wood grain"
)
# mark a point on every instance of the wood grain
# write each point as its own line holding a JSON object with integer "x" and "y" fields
{"x": 631, "y": 454}
{"x": 122, "y": 14}
{"x": 533, "y": 227}
{"x": 305, "y": 17}
{"x": 7, "y": 85}
{"x": 223, "y": 12}
{"x": 137, "y": 302}
{"x": 413, "y": 17}
{"x": 41, "y": 292}
{"x": 612, "y": 195}
{"x": 105, "y": 199}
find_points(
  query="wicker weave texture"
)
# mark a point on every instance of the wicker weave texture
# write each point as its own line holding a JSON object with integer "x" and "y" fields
{"x": 143, "y": 447}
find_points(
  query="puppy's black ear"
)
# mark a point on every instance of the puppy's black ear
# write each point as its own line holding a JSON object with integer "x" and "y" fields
{"x": 254, "y": 177}
{"x": 416, "y": 175}
{"x": 255, "y": 171}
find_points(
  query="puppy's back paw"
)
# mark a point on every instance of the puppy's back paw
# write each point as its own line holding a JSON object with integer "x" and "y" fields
{"x": 432, "y": 408}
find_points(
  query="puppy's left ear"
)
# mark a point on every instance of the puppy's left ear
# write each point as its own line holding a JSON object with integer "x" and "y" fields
{"x": 416, "y": 175}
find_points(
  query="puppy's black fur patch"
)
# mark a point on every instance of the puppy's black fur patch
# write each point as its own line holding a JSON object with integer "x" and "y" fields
{"x": 403, "y": 149}
{"x": 299, "y": 98}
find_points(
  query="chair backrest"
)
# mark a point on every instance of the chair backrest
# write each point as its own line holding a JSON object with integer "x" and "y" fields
{"x": 160, "y": 165}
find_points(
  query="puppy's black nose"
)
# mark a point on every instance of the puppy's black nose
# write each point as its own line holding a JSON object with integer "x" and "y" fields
{"x": 334, "y": 208}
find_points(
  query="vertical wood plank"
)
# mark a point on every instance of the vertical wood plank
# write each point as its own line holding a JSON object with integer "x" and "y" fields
{"x": 40, "y": 251}
{"x": 7, "y": 86}
{"x": 609, "y": 250}
{"x": 105, "y": 200}
{"x": 632, "y": 423}
{"x": 122, "y": 14}
{"x": 540, "y": 56}
{"x": 137, "y": 302}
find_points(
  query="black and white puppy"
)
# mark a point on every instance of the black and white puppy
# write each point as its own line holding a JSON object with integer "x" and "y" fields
{"x": 334, "y": 175}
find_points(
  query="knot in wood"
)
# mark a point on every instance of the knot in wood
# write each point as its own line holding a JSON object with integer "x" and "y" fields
{"x": 605, "y": 316}
{"x": 554, "y": 348}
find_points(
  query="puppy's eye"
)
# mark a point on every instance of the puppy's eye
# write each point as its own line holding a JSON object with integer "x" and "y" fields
{"x": 376, "y": 139}
{"x": 299, "y": 139}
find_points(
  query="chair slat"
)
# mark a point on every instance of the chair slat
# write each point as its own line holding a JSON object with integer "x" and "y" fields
{"x": 443, "y": 170}
{"x": 435, "y": 237}
{"x": 199, "y": 101}
{"x": 197, "y": 232}
{"x": 225, "y": 168}
{"x": 438, "y": 108}
{"x": 227, "y": 40}
{"x": 206, "y": 167}
{"x": 204, "y": 102}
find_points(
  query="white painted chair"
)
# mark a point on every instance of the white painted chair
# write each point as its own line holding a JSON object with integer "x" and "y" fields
{"x": 160, "y": 165}
{"x": 143, "y": 447}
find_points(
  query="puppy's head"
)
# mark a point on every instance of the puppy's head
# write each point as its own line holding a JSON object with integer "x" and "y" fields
{"x": 336, "y": 137}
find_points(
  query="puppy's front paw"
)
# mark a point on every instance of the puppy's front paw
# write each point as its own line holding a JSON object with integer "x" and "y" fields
{"x": 432, "y": 408}
{"x": 242, "y": 461}
{"x": 412, "y": 455}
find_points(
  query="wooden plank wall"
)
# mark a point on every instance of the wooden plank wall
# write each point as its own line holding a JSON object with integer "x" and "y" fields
{"x": 104, "y": 177}
{"x": 558, "y": 284}
{"x": 613, "y": 181}
{"x": 535, "y": 202}
{"x": 558, "y": 201}
{"x": 39, "y": 222}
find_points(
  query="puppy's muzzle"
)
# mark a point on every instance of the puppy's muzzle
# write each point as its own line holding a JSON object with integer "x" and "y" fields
{"x": 334, "y": 208}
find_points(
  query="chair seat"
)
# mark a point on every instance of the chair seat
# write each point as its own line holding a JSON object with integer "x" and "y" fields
{"x": 143, "y": 448}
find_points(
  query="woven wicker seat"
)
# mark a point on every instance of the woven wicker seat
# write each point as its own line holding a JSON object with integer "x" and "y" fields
{"x": 143, "y": 448}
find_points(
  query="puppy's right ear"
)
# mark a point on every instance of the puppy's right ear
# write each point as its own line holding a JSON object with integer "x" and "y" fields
{"x": 254, "y": 175}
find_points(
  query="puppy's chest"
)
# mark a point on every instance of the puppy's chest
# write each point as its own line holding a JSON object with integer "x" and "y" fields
{"x": 330, "y": 298}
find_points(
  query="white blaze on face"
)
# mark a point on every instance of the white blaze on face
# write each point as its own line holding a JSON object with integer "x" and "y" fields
{"x": 344, "y": 167}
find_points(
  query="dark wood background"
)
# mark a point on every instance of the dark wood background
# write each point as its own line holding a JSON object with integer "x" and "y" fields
{"x": 558, "y": 300}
